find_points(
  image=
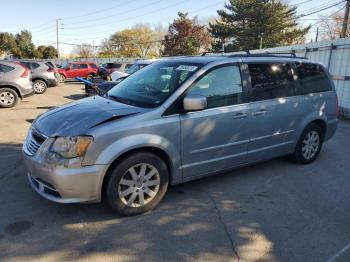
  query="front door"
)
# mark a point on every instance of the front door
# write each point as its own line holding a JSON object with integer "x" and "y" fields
{"x": 215, "y": 139}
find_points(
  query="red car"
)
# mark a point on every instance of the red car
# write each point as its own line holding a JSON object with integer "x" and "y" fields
{"x": 78, "y": 69}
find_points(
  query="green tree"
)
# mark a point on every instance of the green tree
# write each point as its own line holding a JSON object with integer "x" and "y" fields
{"x": 7, "y": 43}
{"x": 244, "y": 23}
{"x": 24, "y": 46}
{"x": 186, "y": 37}
{"x": 47, "y": 52}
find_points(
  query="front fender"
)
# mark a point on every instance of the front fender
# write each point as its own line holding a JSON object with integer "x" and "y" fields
{"x": 126, "y": 144}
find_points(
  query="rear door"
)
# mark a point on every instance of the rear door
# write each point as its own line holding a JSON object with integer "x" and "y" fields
{"x": 83, "y": 70}
{"x": 272, "y": 110}
{"x": 216, "y": 138}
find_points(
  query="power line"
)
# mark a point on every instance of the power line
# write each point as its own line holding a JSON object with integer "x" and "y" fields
{"x": 322, "y": 9}
{"x": 120, "y": 13}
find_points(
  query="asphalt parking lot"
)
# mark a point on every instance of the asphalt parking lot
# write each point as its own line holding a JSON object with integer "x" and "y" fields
{"x": 273, "y": 211}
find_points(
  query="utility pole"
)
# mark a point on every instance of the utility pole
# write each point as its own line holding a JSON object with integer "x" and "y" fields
{"x": 316, "y": 38}
{"x": 346, "y": 20}
{"x": 57, "y": 38}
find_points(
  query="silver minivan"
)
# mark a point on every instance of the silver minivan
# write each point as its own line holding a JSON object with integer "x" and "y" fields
{"x": 177, "y": 120}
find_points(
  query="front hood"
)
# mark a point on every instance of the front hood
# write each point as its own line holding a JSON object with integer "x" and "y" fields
{"x": 76, "y": 118}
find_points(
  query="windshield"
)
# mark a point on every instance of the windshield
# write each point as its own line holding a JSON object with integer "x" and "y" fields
{"x": 151, "y": 86}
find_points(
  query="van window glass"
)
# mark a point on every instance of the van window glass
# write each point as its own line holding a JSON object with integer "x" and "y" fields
{"x": 311, "y": 79}
{"x": 221, "y": 87}
{"x": 151, "y": 86}
{"x": 5, "y": 68}
{"x": 271, "y": 81}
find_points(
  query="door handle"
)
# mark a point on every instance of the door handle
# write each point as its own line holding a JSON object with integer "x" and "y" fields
{"x": 240, "y": 115}
{"x": 260, "y": 112}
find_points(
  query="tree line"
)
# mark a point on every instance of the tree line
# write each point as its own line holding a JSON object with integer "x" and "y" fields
{"x": 240, "y": 25}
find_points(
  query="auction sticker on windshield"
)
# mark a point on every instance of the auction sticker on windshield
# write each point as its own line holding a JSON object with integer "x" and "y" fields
{"x": 187, "y": 68}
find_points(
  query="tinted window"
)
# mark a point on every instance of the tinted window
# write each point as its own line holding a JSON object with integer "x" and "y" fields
{"x": 271, "y": 81}
{"x": 221, "y": 87}
{"x": 34, "y": 65}
{"x": 83, "y": 66}
{"x": 74, "y": 66}
{"x": 311, "y": 79}
{"x": 93, "y": 66}
{"x": 5, "y": 68}
{"x": 116, "y": 66}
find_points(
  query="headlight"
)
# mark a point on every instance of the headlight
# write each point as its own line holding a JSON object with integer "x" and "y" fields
{"x": 71, "y": 146}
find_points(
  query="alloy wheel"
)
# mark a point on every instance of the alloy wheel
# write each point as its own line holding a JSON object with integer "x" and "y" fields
{"x": 6, "y": 98}
{"x": 310, "y": 144}
{"x": 139, "y": 185}
{"x": 39, "y": 87}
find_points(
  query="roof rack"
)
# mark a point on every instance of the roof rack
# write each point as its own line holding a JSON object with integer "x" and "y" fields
{"x": 270, "y": 54}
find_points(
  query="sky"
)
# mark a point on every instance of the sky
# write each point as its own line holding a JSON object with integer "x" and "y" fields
{"x": 90, "y": 21}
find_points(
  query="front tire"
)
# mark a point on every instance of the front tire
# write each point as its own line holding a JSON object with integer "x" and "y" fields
{"x": 137, "y": 184}
{"x": 40, "y": 86}
{"x": 8, "y": 97}
{"x": 309, "y": 145}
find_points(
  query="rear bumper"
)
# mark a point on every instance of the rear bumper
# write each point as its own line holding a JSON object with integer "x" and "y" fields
{"x": 28, "y": 94}
{"x": 65, "y": 185}
{"x": 331, "y": 128}
{"x": 52, "y": 82}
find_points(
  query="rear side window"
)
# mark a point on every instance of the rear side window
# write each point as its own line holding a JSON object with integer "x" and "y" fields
{"x": 311, "y": 79}
{"x": 5, "y": 68}
{"x": 83, "y": 66}
{"x": 221, "y": 87}
{"x": 93, "y": 66}
{"x": 271, "y": 81}
{"x": 34, "y": 65}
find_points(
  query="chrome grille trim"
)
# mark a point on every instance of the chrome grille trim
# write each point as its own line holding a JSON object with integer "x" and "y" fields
{"x": 31, "y": 144}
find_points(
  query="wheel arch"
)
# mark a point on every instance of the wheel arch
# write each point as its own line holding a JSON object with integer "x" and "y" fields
{"x": 40, "y": 78}
{"x": 13, "y": 88}
{"x": 150, "y": 149}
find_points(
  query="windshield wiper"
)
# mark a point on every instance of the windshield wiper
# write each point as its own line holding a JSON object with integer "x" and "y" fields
{"x": 120, "y": 100}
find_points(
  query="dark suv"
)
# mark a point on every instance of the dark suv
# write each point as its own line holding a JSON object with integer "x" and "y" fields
{"x": 105, "y": 70}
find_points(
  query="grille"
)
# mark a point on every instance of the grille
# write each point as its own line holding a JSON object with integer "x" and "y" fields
{"x": 34, "y": 141}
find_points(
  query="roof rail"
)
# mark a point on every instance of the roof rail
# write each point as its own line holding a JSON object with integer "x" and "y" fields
{"x": 269, "y": 54}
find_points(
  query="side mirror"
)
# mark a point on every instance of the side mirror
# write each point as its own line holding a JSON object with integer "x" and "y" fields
{"x": 194, "y": 103}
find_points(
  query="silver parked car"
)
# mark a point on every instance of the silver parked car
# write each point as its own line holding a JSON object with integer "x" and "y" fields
{"x": 43, "y": 76}
{"x": 177, "y": 120}
{"x": 14, "y": 83}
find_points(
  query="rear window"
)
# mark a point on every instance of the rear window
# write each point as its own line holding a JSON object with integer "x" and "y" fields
{"x": 5, "y": 68}
{"x": 271, "y": 81}
{"x": 311, "y": 79}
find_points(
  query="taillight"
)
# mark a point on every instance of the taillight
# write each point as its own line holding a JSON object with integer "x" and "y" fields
{"x": 337, "y": 106}
{"x": 26, "y": 72}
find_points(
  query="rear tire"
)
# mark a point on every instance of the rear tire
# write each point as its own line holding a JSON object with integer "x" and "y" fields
{"x": 40, "y": 86}
{"x": 61, "y": 78}
{"x": 137, "y": 184}
{"x": 90, "y": 77}
{"x": 8, "y": 97}
{"x": 309, "y": 145}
